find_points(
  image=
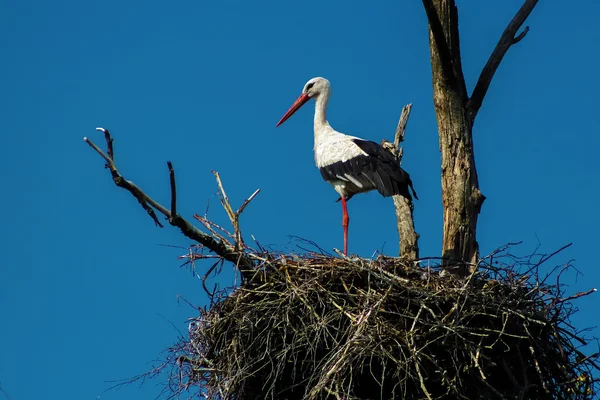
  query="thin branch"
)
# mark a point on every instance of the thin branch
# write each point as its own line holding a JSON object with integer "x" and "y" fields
{"x": 247, "y": 201}
{"x": 443, "y": 48}
{"x": 173, "y": 188}
{"x": 121, "y": 182}
{"x": 234, "y": 217}
{"x": 108, "y": 160}
{"x": 229, "y": 210}
{"x": 221, "y": 248}
{"x": 109, "y": 142}
{"x": 521, "y": 35}
{"x": 549, "y": 256}
{"x": 224, "y": 199}
{"x": 507, "y": 39}
{"x": 576, "y": 296}
{"x": 205, "y": 277}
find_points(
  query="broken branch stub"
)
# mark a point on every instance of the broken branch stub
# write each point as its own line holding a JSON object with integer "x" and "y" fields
{"x": 409, "y": 238}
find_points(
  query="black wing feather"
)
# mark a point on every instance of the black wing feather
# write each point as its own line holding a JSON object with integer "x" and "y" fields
{"x": 383, "y": 169}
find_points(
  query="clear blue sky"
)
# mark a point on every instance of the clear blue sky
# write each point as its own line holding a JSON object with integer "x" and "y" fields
{"x": 86, "y": 292}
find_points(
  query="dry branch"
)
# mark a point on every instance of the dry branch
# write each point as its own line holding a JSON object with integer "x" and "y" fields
{"x": 401, "y": 130}
{"x": 507, "y": 39}
{"x": 222, "y": 248}
{"x": 173, "y": 188}
{"x": 233, "y": 216}
{"x": 409, "y": 238}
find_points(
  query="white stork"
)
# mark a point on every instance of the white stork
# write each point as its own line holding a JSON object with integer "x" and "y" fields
{"x": 350, "y": 164}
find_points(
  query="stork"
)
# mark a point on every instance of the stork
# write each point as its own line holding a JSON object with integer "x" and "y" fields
{"x": 348, "y": 163}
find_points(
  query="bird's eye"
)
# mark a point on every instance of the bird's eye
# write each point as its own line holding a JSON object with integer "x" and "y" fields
{"x": 309, "y": 86}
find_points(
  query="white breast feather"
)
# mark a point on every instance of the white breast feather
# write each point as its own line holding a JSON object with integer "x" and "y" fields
{"x": 332, "y": 148}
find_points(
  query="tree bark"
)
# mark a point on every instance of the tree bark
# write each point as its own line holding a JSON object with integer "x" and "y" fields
{"x": 408, "y": 237}
{"x": 461, "y": 196}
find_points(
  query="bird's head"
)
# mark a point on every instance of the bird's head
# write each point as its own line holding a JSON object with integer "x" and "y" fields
{"x": 312, "y": 89}
{"x": 315, "y": 87}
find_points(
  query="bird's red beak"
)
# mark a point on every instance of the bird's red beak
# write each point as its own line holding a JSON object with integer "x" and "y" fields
{"x": 300, "y": 101}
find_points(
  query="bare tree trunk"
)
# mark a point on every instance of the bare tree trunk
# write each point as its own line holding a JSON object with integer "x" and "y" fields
{"x": 461, "y": 196}
{"x": 456, "y": 114}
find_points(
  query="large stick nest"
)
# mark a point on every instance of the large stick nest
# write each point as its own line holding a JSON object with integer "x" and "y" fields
{"x": 321, "y": 327}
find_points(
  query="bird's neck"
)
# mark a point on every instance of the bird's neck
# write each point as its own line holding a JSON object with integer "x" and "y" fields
{"x": 321, "y": 111}
{"x": 324, "y": 133}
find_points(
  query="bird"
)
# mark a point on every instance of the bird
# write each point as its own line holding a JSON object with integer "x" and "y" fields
{"x": 348, "y": 163}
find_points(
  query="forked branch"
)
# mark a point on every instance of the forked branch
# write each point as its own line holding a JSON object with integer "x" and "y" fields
{"x": 508, "y": 38}
{"x": 222, "y": 248}
{"x": 233, "y": 216}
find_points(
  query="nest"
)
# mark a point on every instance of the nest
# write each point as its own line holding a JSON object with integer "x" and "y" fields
{"x": 322, "y": 327}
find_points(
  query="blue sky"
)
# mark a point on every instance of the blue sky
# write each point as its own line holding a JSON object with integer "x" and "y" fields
{"x": 87, "y": 294}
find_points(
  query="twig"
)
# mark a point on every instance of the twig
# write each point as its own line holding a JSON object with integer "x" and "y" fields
{"x": 507, "y": 39}
{"x": 233, "y": 216}
{"x": 224, "y": 198}
{"x": 221, "y": 248}
{"x": 205, "y": 277}
{"x": 549, "y": 256}
{"x": 173, "y": 189}
{"x": 521, "y": 35}
{"x": 247, "y": 201}
{"x": 537, "y": 368}
{"x": 576, "y": 296}
{"x": 109, "y": 142}
{"x": 121, "y": 182}
{"x": 422, "y": 381}
{"x": 545, "y": 258}
{"x": 415, "y": 354}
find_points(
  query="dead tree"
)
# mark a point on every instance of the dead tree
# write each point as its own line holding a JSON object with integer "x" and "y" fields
{"x": 456, "y": 112}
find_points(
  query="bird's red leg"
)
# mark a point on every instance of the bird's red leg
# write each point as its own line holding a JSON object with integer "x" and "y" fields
{"x": 345, "y": 223}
